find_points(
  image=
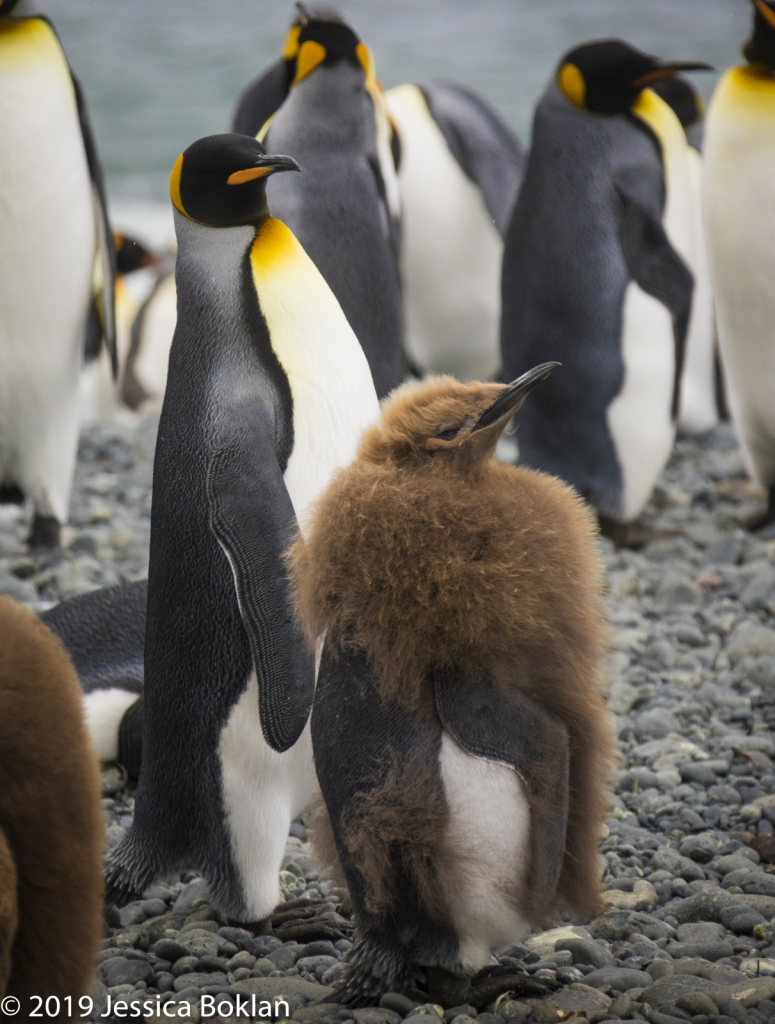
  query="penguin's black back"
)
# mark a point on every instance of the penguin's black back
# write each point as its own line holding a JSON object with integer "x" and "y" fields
{"x": 337, "y": 207}
{"x": 262, "y": 98}
{"x": 564, "y": 282}
{"x": 224, "y": 383}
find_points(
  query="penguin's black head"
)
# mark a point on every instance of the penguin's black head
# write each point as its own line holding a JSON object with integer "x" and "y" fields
{"x": 443, "y": 423}
{"x": 320, "y": 37}
{"x": 683, "y": 98}
{"x": 221, "y": 180}
{"x": 606, "y": 77}
{"x": 6, "y": 6}
{"x": 131, "y": 255}
{"x": 760, "y": 48}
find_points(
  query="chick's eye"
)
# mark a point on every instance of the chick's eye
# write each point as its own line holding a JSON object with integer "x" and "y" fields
{"x": 447, "y": 435}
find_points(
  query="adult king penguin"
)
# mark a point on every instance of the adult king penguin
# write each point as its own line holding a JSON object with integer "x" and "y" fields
{"x": 462, "y": 740}
{"x": 739, "y": 208}
{"x": 344, "y": 209}
{"x": 55, "y": 251}
{"x": 459, "y": 173}
{"x": 699, "y": 401}
{"x": 591, "y": 277}
{"x": 267, "y": 394}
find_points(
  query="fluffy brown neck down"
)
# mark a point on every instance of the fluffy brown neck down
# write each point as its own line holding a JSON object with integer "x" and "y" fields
{"x": 496, "y": 572}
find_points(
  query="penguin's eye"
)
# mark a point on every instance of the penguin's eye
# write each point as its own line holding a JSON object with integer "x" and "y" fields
{"x": 448, "y": 434}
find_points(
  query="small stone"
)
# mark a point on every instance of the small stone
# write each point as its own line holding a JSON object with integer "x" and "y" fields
{"x": 129, "y": 972}
{"x": 696, "y": 1003}
{"x": 544, "y": 943}
{"x": 750, "y": 641}
{"x": 751, "y": 993}
{"x": 701, "y": 848}
{"x": 619, "y": 979}
{"x": 169, "y": 949}
{"x": 575, "y": 999}
{"x": 403, "y": 1005}
{"x": 758, "y": 967}
{"x": 700, "y": 932}
{"x": 765, "y": 932}
{"x": 374, "y": 1015}
{"x": 703, "y": 950}
{"x": 587, "y": 951}
{"x": 669, "y": 989}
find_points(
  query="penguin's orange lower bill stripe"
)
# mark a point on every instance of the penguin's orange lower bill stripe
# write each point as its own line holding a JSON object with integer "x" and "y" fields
{"x": 240, "y": 177}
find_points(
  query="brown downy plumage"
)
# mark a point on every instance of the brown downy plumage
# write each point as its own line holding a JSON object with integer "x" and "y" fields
{"x": 51, "y": 828}
{"x": 427, "y": 553}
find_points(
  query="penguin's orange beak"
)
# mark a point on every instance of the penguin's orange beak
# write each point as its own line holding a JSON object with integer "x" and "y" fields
{"x": 512, "y": 397}
{"x": 669, "y": 70}
{"x": 264, "y": 165}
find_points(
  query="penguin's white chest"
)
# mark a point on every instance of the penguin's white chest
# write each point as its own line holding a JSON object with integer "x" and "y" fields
{"x": 47, "y": 246}
{"x": 485, "y": 852}
{"x": 739, "y": 211}
{"x": 451, "y": 251}
{"x": 331, "y": 385}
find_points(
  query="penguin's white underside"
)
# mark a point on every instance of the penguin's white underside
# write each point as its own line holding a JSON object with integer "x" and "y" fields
{"x": 451, "y": 251}
{"x": 485, "y": 851}
{"x": 158, "y": 327}
{"x": 45, "y": 274}
{"x": 739, "y": 209}
{"x": 333, "y": 402}
{"x": 103, "y": 710}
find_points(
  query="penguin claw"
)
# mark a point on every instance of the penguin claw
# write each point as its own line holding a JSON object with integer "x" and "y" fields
{"x": 484, "y": 987}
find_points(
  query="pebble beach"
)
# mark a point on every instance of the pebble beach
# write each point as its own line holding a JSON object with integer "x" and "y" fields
{"x": 687, "y": 865}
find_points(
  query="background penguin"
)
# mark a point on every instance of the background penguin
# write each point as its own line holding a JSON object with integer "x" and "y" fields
{"x": 104, "y": 633}
{"x": 101, "y": 390}
{"x": 699, "y": 400}
{"x": 591, "y": 277}
{"x": 54, "y": 221}
{"x": 145, "y": 371}
{"x": 268, "y": 391}
{"x": 51, "y": 827}
{"x": 459, "y": 173}
{"x": 459, "y": 723}
{"x": 739, "y": 208}
{"x": 344, "y": 208}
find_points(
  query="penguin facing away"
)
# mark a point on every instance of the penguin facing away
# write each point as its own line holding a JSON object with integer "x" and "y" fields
{"x": 739, "y": 212}
{"x": 51, "y": 827}
{"x": 145, "y": 370}
{"x": 461, "y": 736}
{"x": 56, "y": 287}
{"x": 268, "y": 391}
{"x": 592, "y": 277}
{"x": 344, "y": 208}
{"x": 459, "y": 174}
{"x": 699, "y": 407}
{"x": 104, "y": 634}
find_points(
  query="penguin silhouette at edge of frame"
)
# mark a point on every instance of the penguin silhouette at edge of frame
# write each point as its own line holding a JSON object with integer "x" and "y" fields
{"x": 459, "y": 175}
{"x": 592, "y": 278}
{"x": 701, "y": 404}
{"x": 461, "y": 735}
{"x": 344, "y": 210}
{"x": 267, "y": 394}
{"x": 739, "y": 216}
{"x": 51, "y": 828}
{"x": 56, "y": 287}
{"x": 104, "y": 633}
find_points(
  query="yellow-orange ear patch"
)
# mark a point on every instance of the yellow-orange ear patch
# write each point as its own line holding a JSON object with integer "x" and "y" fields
{"x": 766, "y": 12}
{"x": 291, "y": 44}
{"x": 240, "y": 177}
{"x": 365, "y": 59}
{"x": 177, "y": 202}
{"x": 310, "y": 55}
{"x": 572, "y": 84}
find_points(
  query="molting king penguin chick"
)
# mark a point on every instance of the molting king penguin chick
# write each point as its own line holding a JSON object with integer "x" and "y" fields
{"x": 700, "y": 398}
{"x": 459, "y": 174}
{"x": 595, "y": 274}
{"x": 268, "y": 392}
{"x": 344, "y": 209}
{"x": 739, "y": 210}
{"x": 461, "y": 736}
{"x": 51, "y": 828}
{"x": 57, "y": 265}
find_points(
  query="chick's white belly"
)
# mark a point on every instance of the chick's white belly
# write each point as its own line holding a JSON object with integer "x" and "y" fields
{"x": 485, "y": 853}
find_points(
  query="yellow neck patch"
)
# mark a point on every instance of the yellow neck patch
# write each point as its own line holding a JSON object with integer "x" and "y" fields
{"x": 310, "y": 55}
{"x": 291, "y": 44}
{"x": 572, "y": 84}
{"x": 27, "y": 41}
{"x": 747, "y": 92}
{"x": 661, "y": 119}
{"x": 275, "y": 246}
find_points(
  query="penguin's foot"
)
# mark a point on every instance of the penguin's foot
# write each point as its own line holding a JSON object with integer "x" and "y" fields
{"x": 631, "y": 535}
{"x": 263, "y": 927}
{"x": 295, "y": 920}
{"x": 44, "y": 539}
{"x": 764, "y": 524}
{"x": 447, "y": 989}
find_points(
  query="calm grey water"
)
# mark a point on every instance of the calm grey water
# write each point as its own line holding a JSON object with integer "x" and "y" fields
{"x": 159, "y": 74}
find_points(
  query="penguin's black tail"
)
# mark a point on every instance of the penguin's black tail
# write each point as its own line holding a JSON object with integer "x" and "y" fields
{"x": 125, "y": 880}
{"x": 372, "y": 967}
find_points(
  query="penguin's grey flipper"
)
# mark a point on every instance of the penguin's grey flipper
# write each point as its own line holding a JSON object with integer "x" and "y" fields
{"x": 262, "y": 98}
{"x": 520, "y": 732}
{"x": 653, "y": 263}
{"x": 484, "y": 147}
{"x": 252, "y": 518}
{"x": 104, "y": 298}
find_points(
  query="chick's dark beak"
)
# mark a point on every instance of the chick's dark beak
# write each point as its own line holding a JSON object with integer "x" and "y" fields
{"x": 669, "y": 69}
{"x": 510, "y": 399}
